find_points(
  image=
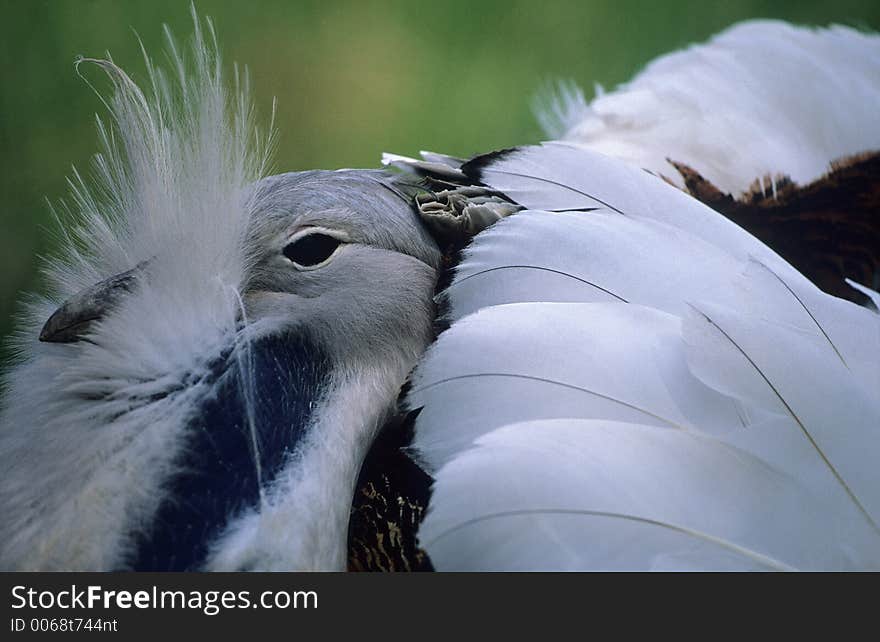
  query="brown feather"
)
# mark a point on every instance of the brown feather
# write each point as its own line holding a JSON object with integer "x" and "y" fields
{"x": 829, "y": 230}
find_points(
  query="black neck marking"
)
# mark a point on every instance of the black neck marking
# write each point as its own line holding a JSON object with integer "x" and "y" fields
{"x": 217, "y": 477}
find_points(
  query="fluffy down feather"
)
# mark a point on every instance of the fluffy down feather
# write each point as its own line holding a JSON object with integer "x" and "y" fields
{"x": 81, "y": 448}
{"x": 763, "y": 98}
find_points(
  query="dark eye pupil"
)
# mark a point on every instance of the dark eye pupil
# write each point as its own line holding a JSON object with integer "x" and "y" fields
{"x": 311, "y": 249}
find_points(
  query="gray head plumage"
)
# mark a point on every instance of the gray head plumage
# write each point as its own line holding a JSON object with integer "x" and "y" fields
{"x": 369, "y": 290}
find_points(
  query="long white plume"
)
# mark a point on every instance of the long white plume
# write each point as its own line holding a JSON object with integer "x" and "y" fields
{"x": 762, "y": 98}
{"x": 642, "y": 384}
{"x": 80, "y": 446}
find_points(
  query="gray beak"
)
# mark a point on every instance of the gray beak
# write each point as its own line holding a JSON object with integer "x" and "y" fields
{"x": 72, "y": 320}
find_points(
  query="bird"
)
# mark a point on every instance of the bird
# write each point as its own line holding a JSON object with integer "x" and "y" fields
{"x": 649, "y": 343}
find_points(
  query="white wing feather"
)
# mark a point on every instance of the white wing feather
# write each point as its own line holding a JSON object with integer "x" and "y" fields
{"x": 774, "y": 410}
{"x": 574, "y": 494}
{"x": 560, "y": 176}
{"x": 541, "y": 360}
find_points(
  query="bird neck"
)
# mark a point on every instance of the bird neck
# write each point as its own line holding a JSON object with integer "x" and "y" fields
{"x": 299, "y": 520}
{"x": 265, "y": 476}
{"x": 302, "y": 519}
{"x": 251, "y": 420}
{"x": 247, "y": 461}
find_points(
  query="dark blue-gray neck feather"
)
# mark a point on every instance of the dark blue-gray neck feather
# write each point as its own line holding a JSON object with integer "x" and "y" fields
{"x": 217, "y": 475}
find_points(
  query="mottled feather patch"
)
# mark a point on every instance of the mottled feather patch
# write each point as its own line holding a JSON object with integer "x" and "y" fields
{"x": 389, "y": 505}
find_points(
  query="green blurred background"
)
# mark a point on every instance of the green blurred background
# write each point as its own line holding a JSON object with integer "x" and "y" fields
{"x": 352, "y": 78}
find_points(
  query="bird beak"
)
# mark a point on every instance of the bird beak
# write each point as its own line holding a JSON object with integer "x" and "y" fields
{"x": 74, "y": 318}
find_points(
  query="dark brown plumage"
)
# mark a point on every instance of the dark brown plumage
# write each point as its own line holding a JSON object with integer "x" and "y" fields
{"x": 829, "y": 230}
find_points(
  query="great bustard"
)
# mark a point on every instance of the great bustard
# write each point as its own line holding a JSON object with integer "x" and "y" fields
{"x": 627, "y": 379}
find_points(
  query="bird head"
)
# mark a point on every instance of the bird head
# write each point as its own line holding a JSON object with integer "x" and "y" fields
{"x": 339, "y": 255}
{"x": 268, "y": 417}
{"x": 342, "y": 255}
{"x": 221, "y": 354}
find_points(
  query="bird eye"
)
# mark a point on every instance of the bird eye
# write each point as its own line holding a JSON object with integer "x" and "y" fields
{"x": 311, "y": 250}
